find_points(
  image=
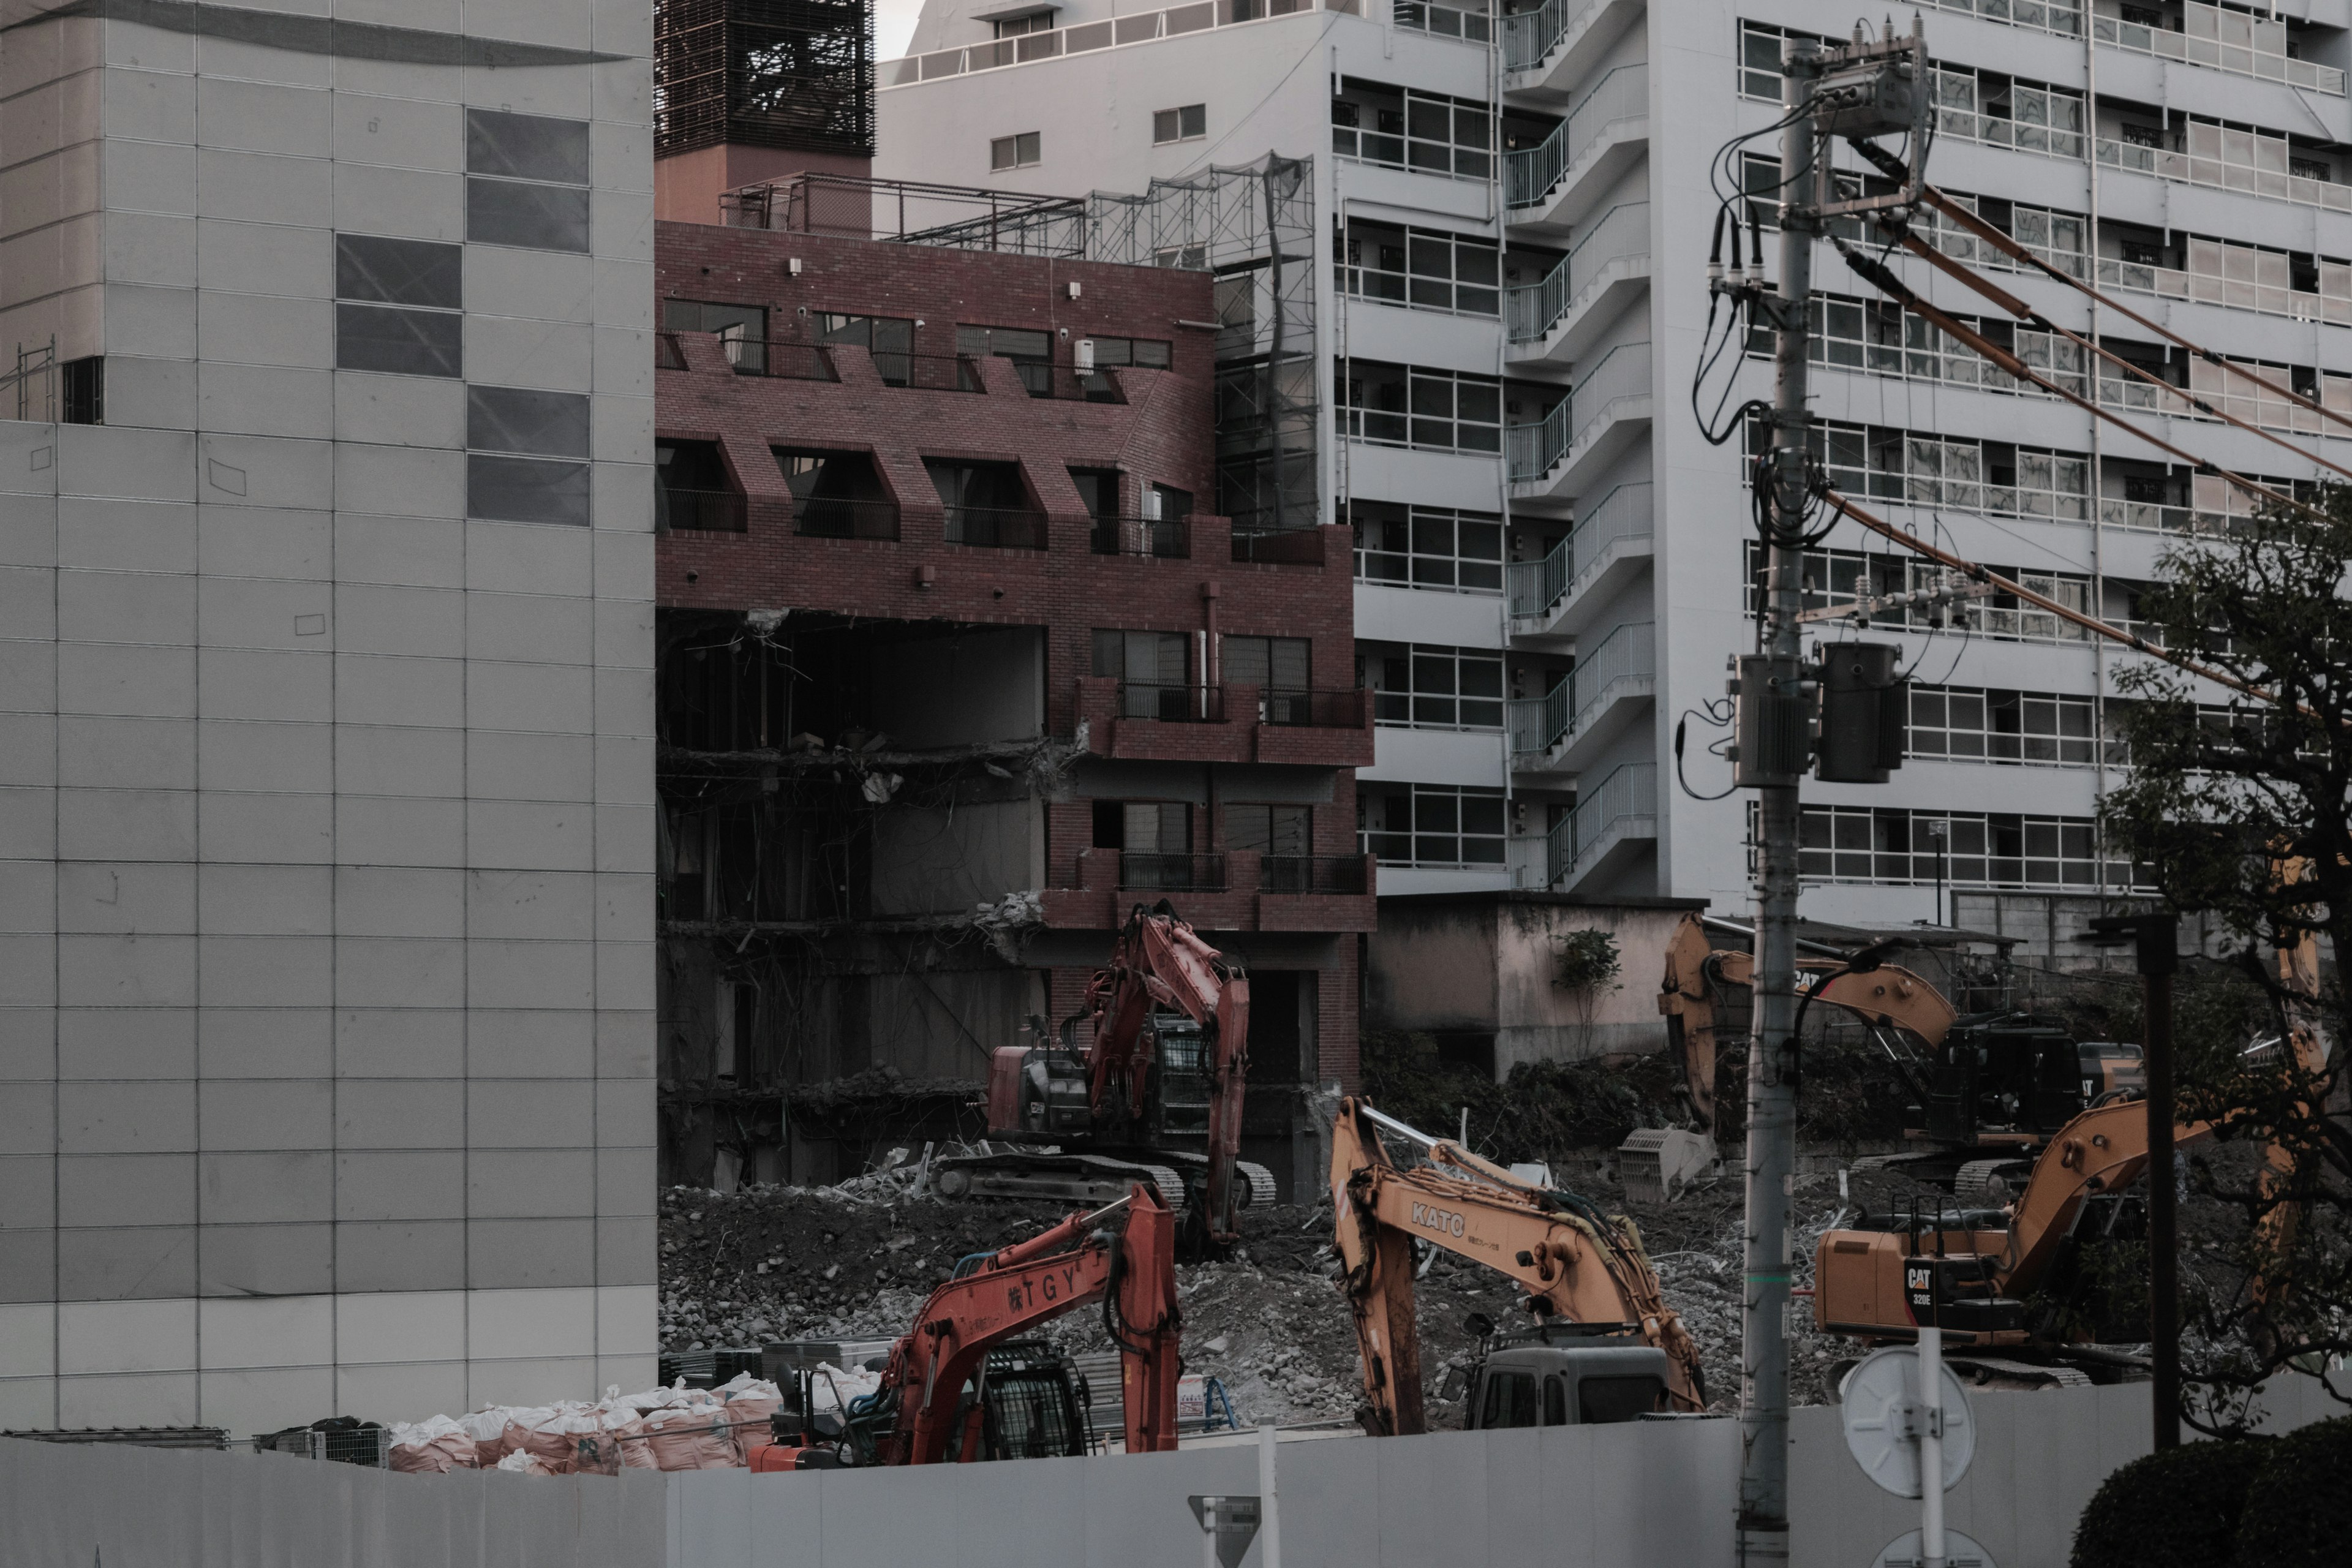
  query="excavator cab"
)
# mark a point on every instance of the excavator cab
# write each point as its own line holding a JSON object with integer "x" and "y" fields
{"x": 2003, "y": 1074}
{"x": 1032, "y": 1402}
{"x": 1566, "y": 1375}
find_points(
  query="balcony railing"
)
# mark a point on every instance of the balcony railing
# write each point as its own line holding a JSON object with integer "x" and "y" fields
{"x": 1539, "y": 723}
{"x": 996, "y": 528}
{"x": 1313, "y": 874}
{"x": 1529, "y": 37}
{"x": 1340, "y": 707}
{"x": 1442, "y": 21}
{"x": 1627, "y": 795}
{"x": 1622, "y": 233}
{"x": 1539, "y": 585}
{"x": 709, "y": 511}
{"x": 2226, "y": 158}
{"x": 1085, "y": 37}
{"x": 1044, "y": 378}
{"x": 2333, "y": 302}
{"x": 1568, "y": 709}
{"x": 1536, "y": 449}
{"x": 1529, "y": 174}
{"x": 928, "y": 373}
{"x": 1172, "y": 873}
{"x": 1171, "y": 702}
{"x": 2233, "y": 41}
{"x": 1167, "y": 538}
{"x": 783, "y": 361}
{"x": 828, "y": 517}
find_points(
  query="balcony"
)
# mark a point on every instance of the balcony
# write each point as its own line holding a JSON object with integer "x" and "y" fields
{"x": 1610, "y": 826}
{"x": 1546, "y": 51}
{"x": 1109, "y": 32}
{"x": 1551, "y": 187}
{"x": 709, "y": 511}
{"x": 1557, "y": 597}
{"x": 1278, "y": 546}
{"x": 1149, "y": 538}
{"x": 995, "y": 527}
{"x": 1442, "y": 21}
{"x": 1346, "y": 875}
{"x": 1563, "y": 730}
{"x": 1608, "y": 408}
{"x": 1160, "y": 872}
{"x": 827, "y": 517}
{"x": 2224, "y": 158}
{"x": 1233, "y": 722}
{"x": 2233, "y": 41}
{"x": 1557, "y": 320}
{"x": 1238, "y": 889}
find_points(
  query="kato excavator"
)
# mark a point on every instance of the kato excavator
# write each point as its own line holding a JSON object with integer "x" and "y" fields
{"x": 954, "y": 1388}
{"x": 1166, "y": 1050}
{"x": 1991, "y": 1087}
{"x": 1604, "y": 1347}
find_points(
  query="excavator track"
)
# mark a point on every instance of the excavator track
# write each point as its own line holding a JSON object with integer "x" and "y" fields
{"x": 1054, "y": 1178}
{"x": 1261, "y": 1193}
{"x": 1990, "y": 1183}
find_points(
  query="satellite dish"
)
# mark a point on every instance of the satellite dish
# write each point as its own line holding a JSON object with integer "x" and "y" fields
{"x": 1959, "y": 1551}
{"x": 1882, "y": 1413}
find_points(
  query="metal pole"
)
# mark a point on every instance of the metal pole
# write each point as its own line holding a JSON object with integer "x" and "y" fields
{"x": 1931, "y": 1446}
{"x": 1771, "y": 1096}
{"x": 1269, "y": 1516}
{"x": 2163, "y": 1230}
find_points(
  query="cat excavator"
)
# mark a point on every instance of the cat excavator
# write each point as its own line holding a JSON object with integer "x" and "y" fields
{"x": 1604, "y": 1347}
{"x": 1165, "y": 1061}
{"x": 951, "y": 1392}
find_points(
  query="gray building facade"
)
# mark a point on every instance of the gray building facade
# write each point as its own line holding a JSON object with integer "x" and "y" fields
{"x": 326, "y": 785}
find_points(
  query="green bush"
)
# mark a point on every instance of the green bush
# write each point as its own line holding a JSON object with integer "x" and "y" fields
{"x": 2178, "y": 1508}
{"x": 2298, "y": 1513}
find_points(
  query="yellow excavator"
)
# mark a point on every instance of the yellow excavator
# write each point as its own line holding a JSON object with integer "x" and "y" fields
{"x": 1991, "y": 1087}
{"x": 1604, "y": 1346}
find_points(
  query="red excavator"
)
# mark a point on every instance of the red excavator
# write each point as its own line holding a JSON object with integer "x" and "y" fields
{"x": 1163, "y": 1064}
{"x": 951, "y": 1393}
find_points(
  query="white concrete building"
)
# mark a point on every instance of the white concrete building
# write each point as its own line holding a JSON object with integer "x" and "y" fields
{"x": 326, "y": 782}
{"x": 2194, "y": 157}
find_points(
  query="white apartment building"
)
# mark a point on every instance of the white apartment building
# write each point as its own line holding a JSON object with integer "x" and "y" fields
{"x": 326, "y": 708}
{"x": 1553, "y": 564}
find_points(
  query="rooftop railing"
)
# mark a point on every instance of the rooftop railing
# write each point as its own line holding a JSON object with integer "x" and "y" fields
{"x": 1085, "y": 36}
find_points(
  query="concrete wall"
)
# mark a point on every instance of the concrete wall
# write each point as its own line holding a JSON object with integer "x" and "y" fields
{"x": 1485, "y": 963}
{"x": 1652, "y": 1495}
{"x": 326, "y": 959}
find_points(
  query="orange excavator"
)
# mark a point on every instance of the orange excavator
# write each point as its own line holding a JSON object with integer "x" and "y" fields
{"x": 1164, "y": 1066}
{"x": 951, "y": 1393}
{"x": 1604, "y": 1346}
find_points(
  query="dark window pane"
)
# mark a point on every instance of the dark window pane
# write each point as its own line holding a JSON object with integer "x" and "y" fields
{"x": 534, "y": 217}
{"x": 404, "y": 343}
{"x": 528, "y": 146}
{"x": 526, "y": 490}
{"x": 400, "y": 271}
{"x": 517, "y": 419}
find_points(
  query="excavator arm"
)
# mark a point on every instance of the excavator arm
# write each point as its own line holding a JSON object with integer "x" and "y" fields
{"x": 1160, "y": 962}
{"x": 1074, "y": 1265}
{"x": 1575, "y": 1263}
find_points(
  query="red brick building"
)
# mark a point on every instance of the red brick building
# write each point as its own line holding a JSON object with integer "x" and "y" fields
{"x": 957, "y": 666}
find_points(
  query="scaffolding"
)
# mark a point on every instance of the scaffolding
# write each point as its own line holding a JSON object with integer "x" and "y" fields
{"x": 764, "y": 73}
{"x": 1252, "y": 227}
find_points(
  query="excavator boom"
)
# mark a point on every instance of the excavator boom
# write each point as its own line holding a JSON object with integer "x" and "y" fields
{"x": 1577, "y": 1265}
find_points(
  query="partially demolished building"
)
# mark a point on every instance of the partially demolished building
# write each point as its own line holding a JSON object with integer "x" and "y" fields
{"x": 958, "y": 661}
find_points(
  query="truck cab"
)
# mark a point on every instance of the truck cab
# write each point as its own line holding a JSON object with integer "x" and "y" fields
{"x": 1532, "y": 1380}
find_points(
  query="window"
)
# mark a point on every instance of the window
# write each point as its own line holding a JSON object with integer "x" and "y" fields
{"x": 1271, "y": 830}
{"x": 2007, "y": 112}
{"x": 837, "y": 495}
{"x": 986, "y": 504}
{"x": 1760, "y": 50}
{"x": 693, "y": 489}
{"x": 1433, "y": 410}
{"x": 1270, "y": 664}
{"x": 397, "y": 304}
{"x": 1431, "y": 824}
{"x": 1510, "y": 1400}
{"x": 890, "y": 340}
{"x": 526, "y": 181}
{"x": 1148, "y": 353}
{"x": 1890, "y": 845}
{"x": 741, "y": 330}
{"x": 2033, "y": 728}
{"x": 1425, "y": 269}
{"x": 1429, "y": 685}
{"x": 1031, "y": 352}
{"x": 1880, "y": 337}
{"x": 1019, "y": 152}
{"x": 1942, "y": 471}
{"x": 1428, "y": 547}
{"x": 81, "y": 391}
{"x": 1423, "y": 131}
{"x": 512, "y": 433}
{"x": 1099, "y": 490}
{"x": 1036, "y": 21}
{"x": 1150, "y": 668}
{"x": 1189, "y": 124}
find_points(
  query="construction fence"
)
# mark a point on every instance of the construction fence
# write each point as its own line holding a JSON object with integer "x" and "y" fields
{"x": 1645, "y": 1495}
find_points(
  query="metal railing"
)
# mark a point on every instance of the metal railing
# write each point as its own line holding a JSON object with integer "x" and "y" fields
{"x": 1627, "y": 795}
{"x": 2245, "y": 161}
{"x": 927, "y": 373}
{"x": 1172, "y": 872}
{"x": 833, "y": 517}
{"x": 1313, "y": 874}
{"x": 996, "y": 528}
{"x": 1539, "y": 723}
{"x": 2239, "y": 293}
{"x": 1623, "y": 373}
{"x": 1627, "y": 654}
{"x": 1171, "y": 702}
{"x": 2235, "y": 41}
{"x": 1165, "y": 537}
{"x": 1529, "y": 37}
{"x": 1341, "y": 707}
{"x": 709, "y": 511}
{"x": 1085, "y": 36}
{"x": 1278, "y": 546}
{"x": 784, "y": 361}
{"x": 2064, "y": 17}
{"x": 1442, "y": 21}
{"x": 1620, "y": 233}
{"x": 1538, "y": 586}
{"x": 1530, "y": 174}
